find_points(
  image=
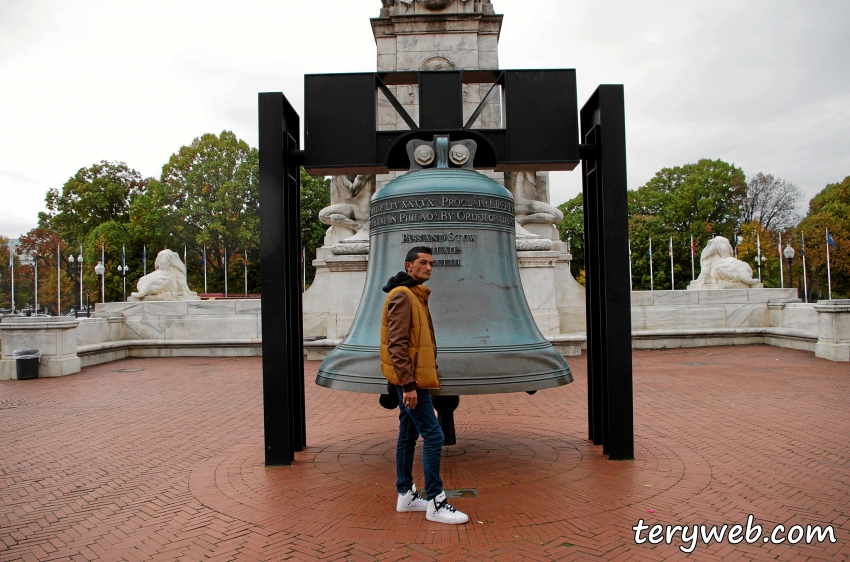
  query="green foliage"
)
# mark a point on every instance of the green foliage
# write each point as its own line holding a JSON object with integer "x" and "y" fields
{"x": 100, "y": 193}
{"x": 572, "y": 229}
{"x": 207, "y": 195}
{"x": 698, "y": 200}
{"x": 315, "y": 196}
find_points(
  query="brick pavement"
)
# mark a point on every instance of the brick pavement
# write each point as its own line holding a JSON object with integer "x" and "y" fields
{"x": 165, "y": 463}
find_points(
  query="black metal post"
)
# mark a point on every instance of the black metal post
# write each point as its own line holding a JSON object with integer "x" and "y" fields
{"x": 280, "y": 244}
{"x": 610, "y": 396}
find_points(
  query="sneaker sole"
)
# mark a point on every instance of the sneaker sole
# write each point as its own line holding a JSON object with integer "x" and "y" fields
{"x": 410, "y": 509}
{"x": 435, "y": 520}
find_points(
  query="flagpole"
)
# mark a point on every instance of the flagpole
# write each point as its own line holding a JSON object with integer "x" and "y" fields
{"x": 124, "y": 272}
{"x": 828, "y": 272}
{"x": 102, "y": 277}
{"x": 245, "y": 261}
{"x": 781, "y": 275}
{"x": 693, "y": 275}
{"x": 651, "y": 284}
{"x": 225, "y": 272}
{"x": 205, "y": 268}
{"x": 672, "y": 278}
{"x": 630, "y": 264}
{"x": 81, "y": 278}
{"x": 144, "y": 259}
{"x": 36, "y": 281}
{"x": 185, "y": 265}
{"x": 58, "y": 282}
{"x": 758, "y": 254}
{"x": 805, "y": 282}
{"x": 12, "y": 265}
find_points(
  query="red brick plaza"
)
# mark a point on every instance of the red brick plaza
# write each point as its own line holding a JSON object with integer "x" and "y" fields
{"x": 161, "y": 459}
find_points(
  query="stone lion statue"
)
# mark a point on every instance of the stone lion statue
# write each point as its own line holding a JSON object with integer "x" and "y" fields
{"x": 720, "y": 270}
{"x": 167, "y": 283}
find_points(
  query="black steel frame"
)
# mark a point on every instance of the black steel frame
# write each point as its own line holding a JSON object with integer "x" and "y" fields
{"x": 608, "y": 302}
{"x": 608, "y": 306}
{"x": 280, "y": 251}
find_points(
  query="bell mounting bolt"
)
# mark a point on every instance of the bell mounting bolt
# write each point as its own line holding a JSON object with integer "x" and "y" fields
{"x": 440, "y": 152}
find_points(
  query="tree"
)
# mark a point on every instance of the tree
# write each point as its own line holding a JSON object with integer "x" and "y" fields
{"x": 772, "y": 202}
{"x": 315, "y": 196}
{"x": 698, "y": 200}
{"x": 42, "y": 243}
{"x": 828, "y": 209}
{"x": 572, "y": 229}
{"x": 207, "y": 195}
{"x": 95, "y": 195}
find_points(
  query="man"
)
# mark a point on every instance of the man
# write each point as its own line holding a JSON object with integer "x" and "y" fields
{"x": 409, "y": 362}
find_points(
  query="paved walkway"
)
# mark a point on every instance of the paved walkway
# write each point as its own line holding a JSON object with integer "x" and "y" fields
{"x": 161, "y": 459}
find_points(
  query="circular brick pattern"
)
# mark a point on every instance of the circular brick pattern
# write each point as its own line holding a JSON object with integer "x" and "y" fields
{"x": 521, "y": 474}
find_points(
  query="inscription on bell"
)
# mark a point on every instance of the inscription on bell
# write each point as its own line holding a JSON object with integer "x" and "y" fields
{"x": 438, "y": 237}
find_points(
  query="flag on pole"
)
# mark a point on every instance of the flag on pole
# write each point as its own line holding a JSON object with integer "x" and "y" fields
{"x": 144, "y": 260}
{"x": 829, "y": 242}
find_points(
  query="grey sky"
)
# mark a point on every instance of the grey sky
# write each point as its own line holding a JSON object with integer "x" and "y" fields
{"x": 764, "y": 84}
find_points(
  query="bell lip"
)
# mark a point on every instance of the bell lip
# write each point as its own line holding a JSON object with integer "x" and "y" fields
{"x": 375, "y": 385}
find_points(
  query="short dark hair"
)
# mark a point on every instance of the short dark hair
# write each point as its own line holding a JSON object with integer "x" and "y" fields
{"x": 413, "y": 253}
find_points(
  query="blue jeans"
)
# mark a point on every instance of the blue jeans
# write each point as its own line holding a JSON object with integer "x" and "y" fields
{"x": 411, "y": 424}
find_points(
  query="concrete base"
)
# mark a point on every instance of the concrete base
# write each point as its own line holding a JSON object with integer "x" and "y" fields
{"x": 55, "y": 337}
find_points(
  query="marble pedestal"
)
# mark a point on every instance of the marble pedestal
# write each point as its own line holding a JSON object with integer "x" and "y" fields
{"x": 331, "y": 301}
{"x": 555, "y": 298}
{"x": 55, "y": 337}
{"x": 833, "y": 330}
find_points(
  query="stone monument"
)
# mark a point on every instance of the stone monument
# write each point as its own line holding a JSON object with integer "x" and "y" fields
{"x": 166, "y": 283}
{"x": 719, "y": 269}
{"x": 440, "y": 35}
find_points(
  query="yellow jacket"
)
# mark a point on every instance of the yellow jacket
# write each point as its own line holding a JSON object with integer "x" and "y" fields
{"x": 409, "y": 356}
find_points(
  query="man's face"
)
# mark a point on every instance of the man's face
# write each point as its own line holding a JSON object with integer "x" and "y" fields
{"x": 420, "y": 268}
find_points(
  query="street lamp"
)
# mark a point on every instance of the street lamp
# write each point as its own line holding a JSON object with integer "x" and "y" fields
{"x": 788, "y": 252}
{"x": 760, "y": 264}
{"x": 122, "y": 273}
{"x": 75, "y": 267}
{"x": 99, "y": 271}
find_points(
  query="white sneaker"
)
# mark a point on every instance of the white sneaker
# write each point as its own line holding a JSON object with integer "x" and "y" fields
{"x": 411, "y": 501}
{"x": 440, "y": 511}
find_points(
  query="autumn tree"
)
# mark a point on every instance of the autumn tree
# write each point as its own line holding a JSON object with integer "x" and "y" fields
{"x": 46, "y": 247}
{"x": 829, "y": 209}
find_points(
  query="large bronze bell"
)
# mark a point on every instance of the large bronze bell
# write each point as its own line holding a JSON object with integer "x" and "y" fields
{"x": 487, "y": 339}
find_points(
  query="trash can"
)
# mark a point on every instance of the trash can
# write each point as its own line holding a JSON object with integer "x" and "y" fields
{"x": 26, "y": 362}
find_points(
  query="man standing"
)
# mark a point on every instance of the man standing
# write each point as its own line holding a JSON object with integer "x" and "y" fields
{"x": 409, "y": 362}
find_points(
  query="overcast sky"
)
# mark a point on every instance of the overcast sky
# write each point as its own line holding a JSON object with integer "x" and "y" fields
{"x": 762, "y": 84}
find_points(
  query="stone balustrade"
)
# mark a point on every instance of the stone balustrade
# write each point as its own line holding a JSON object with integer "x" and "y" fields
{"x": 660, "y": 319}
